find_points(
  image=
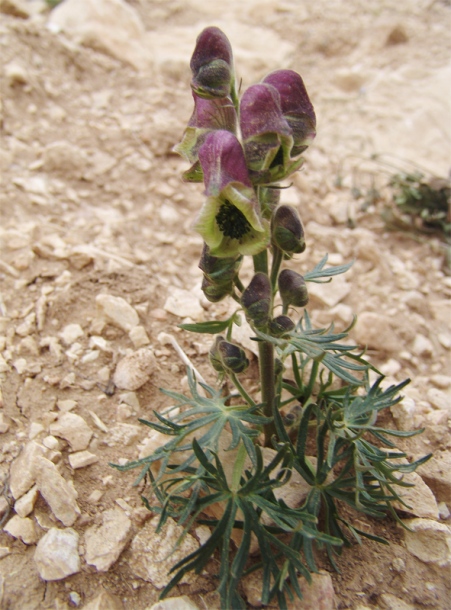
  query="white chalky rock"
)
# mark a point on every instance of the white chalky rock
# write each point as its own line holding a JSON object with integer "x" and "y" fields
{"x": 138, "y": 336}
{"x": 81, "y": 459}
{"x": 134, "y": 370}
{"x": 122, "y": 435}
{"x": 117, "y": 311}
{"x": 150, "y": 552}
{"x": 104, "y": 601}
{"x": 184, "y": 304}
{"x": 429, "y": 540}
{"x": 71, "y": 333}
{"x": 73, "y": 429}
{"x": 24, "y": 505}
{"x": 437, "y": 474}
{"x": 22, "y": 475}
{"x": 375, "y": 331}
{"x": 104, "y": 544}
{"x": 56, "y": 555}
{"x": 56, "y": 491}
{"x": 175, "y": 603}
{"x": 22, "y": 528}
{"x": 330, "y": 294}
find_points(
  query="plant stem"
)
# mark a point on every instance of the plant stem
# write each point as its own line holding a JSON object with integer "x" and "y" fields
{"x": 266, "y": 363}
{"x": 277, "y": 257}
{"x": 241, "y": 390}
{"x": 238, "y": 468}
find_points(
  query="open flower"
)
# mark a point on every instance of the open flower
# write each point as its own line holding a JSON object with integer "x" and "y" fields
{"x": 267, "y": 136}
{"x": 208, "y": 114}
{"x": 230, "y": 221}
{"x": 212, "y": 65}
{"x": 296, "y": 107}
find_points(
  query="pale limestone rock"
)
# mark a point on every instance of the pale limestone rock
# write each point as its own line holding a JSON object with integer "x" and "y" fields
{"x": 437, "y": 474}
{"x": 184, "y": 304}
{"x": 104, "y": 544}
{"x": 375, "y": 331}
{"x": 51, "y": 442}
{"x": 419, "y": 498}
{"x": 104, "y": 601}
{"x": 4, "y": 551}
{"x": 24, "y": 505}
{"x": 112, "y": 26}
{"x": 23, "y": 528}
{"x": 330, "y": 294}
{"x": 66, "y": 405}
{"x": 65, "y": 158}
{"x": 81, "y": 459}
{"x": 422, "y": 346}
{"x": 387, "y": 601}
{"x": 56, "y": 555}
{"x": 134, "y": 370}
{"x": 71, "y": 333}
{"x": 4, "y": 426}
{"x": 404, "y": 413}
{"x": 35, "y": 430}
{"x": 123, "y": 435}
{"x": 138, "y": 336}
{"x": 174, "y": 603}
{"x": 429, "y": 540}
{"x": 150, "y": 552}
{"x": 56, "y": 491}
{"x": 73, "y": 429}
{"x": 439, "y": 399}
{"x": 117, "y": 311}
{"x": 22, "y": 474}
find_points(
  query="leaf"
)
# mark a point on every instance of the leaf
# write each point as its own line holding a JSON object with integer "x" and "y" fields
{"x": 319, "y": 272}
{"x": 212, "y": 328}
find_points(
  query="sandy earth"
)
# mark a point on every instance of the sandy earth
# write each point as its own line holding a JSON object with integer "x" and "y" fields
{"x": 91, "y": 202}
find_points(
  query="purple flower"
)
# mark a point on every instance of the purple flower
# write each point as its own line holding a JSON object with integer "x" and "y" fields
{"x": 212, "y": 65}
{"x": 230, "y": 221}
{"x": 208, "y": 115}
{"x": 296, "y": 107}
{"x": 266, "y": 134}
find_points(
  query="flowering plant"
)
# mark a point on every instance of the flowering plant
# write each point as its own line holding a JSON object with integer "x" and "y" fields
{"x": 231, "y": 456}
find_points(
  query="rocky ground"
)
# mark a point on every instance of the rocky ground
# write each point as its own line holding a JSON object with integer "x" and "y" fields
{"x": 98, "y": 266}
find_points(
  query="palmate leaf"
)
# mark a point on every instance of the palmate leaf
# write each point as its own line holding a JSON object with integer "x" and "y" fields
{"x": 244, "y": 509}
{"x": 206, "y": 417}
{"x": 316, "y": 274}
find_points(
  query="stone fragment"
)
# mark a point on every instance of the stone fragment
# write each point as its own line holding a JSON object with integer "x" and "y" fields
{"x": 81, "y": 459}
{"x": 104, "y": 601}
{"x": 112, "y": 26}
{"x": 134, "y": 370}
{"x": 117, "y": 311}
{"x": 375, "y": 331}
{"x": 71, "y": 333}
{"x": 184, "y": 304}
{"x": 404, "y": 413}
{"x": 24, "y": 505}
{"x": 73, "y": 429}
{"x": 66, "y": 405}
{"x": 419, "y": 498}
{"x": 56, "y": 555}
{"x": 65, "y": 158}
{"x": 22, "y": 474}
{"x": 387, "y": 601}
{"x": 330, "y": 294}
{"x": 56, "y": 491}
{"x": 104, "y": 544}
{"x": 429, "y": 540}
{"x": 138, "y": 336}
{"x": 4, "y": 426}
{"x": 122, "y": 435}
{"x": 422, "y": 346}
{"x": 151, "y": 557}
{"x": 437, "y": 474}
{"x": 23, "y": 528}
{"x": 175, "y": 603}
{"x": 439, "y": 399}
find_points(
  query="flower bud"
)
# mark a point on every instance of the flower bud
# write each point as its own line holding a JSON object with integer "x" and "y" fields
{"x": 215, "y": 292}
{"x": 219, "y": 270}
{"x": 256, "y": 300}
{"x": 281, "y": 325}
{"x": 212, "y": 65}
{"x": 233, "y": 357}
{"x": 287, "y": 231}
{"x": 292, "y": 288}
{"x": 228, "y": 357}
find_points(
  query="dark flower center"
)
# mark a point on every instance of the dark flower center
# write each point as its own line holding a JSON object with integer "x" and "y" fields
{"x": 232, "y": 222}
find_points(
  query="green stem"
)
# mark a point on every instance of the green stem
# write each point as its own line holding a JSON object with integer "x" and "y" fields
{"x": 238, "y": 283}
{"x": 241, "y": 390}
{"x": 277, "y": 258}
{"x": 313, "y": 375}
{"x": 267, "y": 382}
{"x": 238, "y": 468}
{"x": 261, "y": 262}
{"x": 297, "y": 376}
